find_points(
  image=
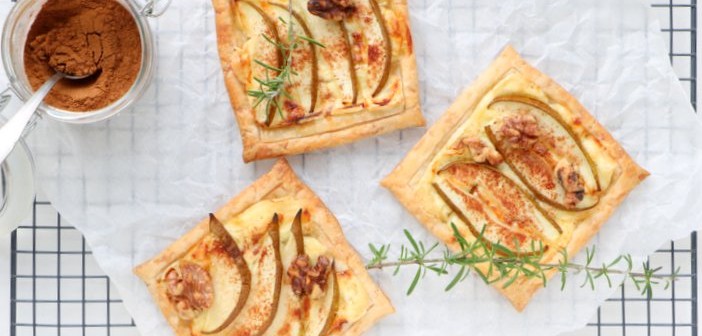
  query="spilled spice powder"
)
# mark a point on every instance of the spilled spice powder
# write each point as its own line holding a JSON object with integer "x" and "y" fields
{"x": 80, "y": 37}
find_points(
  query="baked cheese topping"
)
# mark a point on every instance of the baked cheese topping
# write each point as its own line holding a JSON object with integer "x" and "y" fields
{"x": 491, "y": 204}
{"x": 355, "y": 69}
{"x": 209, "y": 283}
{"x": 556, "y": 170}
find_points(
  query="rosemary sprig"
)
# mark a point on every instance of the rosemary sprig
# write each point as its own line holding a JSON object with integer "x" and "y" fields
{"x": 505, "y": 266}
{"x": 271, "y": 88}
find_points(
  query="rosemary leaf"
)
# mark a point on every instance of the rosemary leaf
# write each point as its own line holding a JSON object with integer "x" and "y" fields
{"x": 267, "y": 66}
{"x": 278, "y": 108}
{"x": 456, "y": 279}
{"x": 312, "y": 41}
{"x": 415, "y": 281}
{"x": 412, "y": 241}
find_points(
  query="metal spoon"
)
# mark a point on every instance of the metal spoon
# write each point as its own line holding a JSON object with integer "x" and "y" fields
{"x": 11, "y": 132}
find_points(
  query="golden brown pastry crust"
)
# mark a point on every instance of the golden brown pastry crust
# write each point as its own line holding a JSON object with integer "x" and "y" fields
{"x": 403, "y": 181}
{"x": 281, "y": 181}
{"x": 332, "y": 130}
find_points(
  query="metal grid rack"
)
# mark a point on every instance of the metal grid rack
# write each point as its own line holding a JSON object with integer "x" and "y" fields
{"x": 674, "y": 311}
{"x": 58, "y": 289}
{"x": 68, "y": 294}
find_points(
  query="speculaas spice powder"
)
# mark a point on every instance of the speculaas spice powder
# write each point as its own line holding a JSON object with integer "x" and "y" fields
{"x": 81, "y": 37}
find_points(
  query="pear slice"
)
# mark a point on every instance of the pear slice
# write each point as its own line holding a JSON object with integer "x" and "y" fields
{"x": 298, "y": 235}
{"x": 387, "y": 44}
{"x": 337, "y": 83}
{"x": 323, "y": 310}
{"x": 304, "y": 315}
{"x": 490, "y": 203}
{"x": 538, "y": 171}
{"x": 232, "y": 250}
{"x": 274, "y": 234}
{"x": 290, "y": 307}
{"x": 302, "y": 89}
{"x": 337, "y": 87}
{"x": 259, "y": 26}
{"x": 319, "y": 307}
{"x": 352, "y": 64}
{"x": 312, "y": 48}
{"x": 265, "y": 264}
{"x": 371, "y": 47}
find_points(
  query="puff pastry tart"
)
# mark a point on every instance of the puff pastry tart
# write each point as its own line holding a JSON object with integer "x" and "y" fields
{"x": 360, "y": 82}
{"x": 518, "y": 161}
{"x": 273, "y": 261}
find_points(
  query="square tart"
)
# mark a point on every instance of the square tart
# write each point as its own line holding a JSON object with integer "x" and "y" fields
{"x": 520, "y": 160}
{"x": 361, "y": 83}
{"x": 198, "y": 281}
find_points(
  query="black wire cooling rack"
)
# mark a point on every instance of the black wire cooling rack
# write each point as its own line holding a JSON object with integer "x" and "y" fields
{"x": 675, "y": 311}
{"x": 58, "y": 289}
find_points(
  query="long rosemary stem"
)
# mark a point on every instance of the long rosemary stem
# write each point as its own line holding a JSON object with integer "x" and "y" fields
{"x": 495, "y": 263}
{"x": 547, "y": 267}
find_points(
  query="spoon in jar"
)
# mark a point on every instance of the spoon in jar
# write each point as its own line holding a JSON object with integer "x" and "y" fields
{"x": 12, "y": 131}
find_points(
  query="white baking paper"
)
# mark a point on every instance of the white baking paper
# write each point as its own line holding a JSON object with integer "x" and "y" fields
{"x": 135, "y": 183}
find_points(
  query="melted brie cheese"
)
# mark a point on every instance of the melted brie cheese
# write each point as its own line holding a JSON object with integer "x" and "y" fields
{"x": 254, "y": 221}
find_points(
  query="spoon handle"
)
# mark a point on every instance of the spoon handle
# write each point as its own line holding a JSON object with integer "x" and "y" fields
{"x": 11, "y": 132}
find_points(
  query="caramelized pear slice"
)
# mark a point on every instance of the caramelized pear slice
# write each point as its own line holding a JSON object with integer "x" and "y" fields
{"x": 297, "y": 233}
{"x": 323, "y": 310}
{"x": 336, "y": 88}
{"x": 261, "y": 26}
{"x": 274, "y": 234}
{"x": 233, "y": 251}
{"x": 387, "y": 44}
{"x": 300, "y": 96}
{"x": 299, "y": 237}
{"x": 555, "y": 166}
{"x": 491, "y": 204}
{"x": 266, "y": 281}
{"x": 312, "y": 52}
{"x": 287, "y": 318}
{"x": 371, "y": 47}
{"x": 352, "y": 64}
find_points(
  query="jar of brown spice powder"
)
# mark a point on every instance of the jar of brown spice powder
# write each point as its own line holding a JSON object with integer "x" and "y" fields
{"x": 111, "y": 38}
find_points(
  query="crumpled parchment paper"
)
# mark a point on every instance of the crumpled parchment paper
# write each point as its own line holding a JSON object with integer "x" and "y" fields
{"x": 135, "y": 183}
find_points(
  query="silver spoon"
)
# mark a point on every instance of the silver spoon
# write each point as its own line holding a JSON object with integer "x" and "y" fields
{"x": 11, "y": 132}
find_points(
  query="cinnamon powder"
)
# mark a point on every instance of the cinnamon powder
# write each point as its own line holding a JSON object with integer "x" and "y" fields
{"x": 79, "y": 37}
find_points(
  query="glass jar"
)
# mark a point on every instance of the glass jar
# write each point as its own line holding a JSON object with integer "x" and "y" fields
{"x": 14, "y": 37}
{"x": 16, "y": 187}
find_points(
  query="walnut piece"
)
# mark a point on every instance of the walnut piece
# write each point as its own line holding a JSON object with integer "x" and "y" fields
{"x": 481, "y": 152}
{"x": 335, "y": 10}
{"x": 189, "y": 289}
{"x": 304, "y": 277}
{"x": 573, "y": 185}
{"x": 520, "y": 130}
